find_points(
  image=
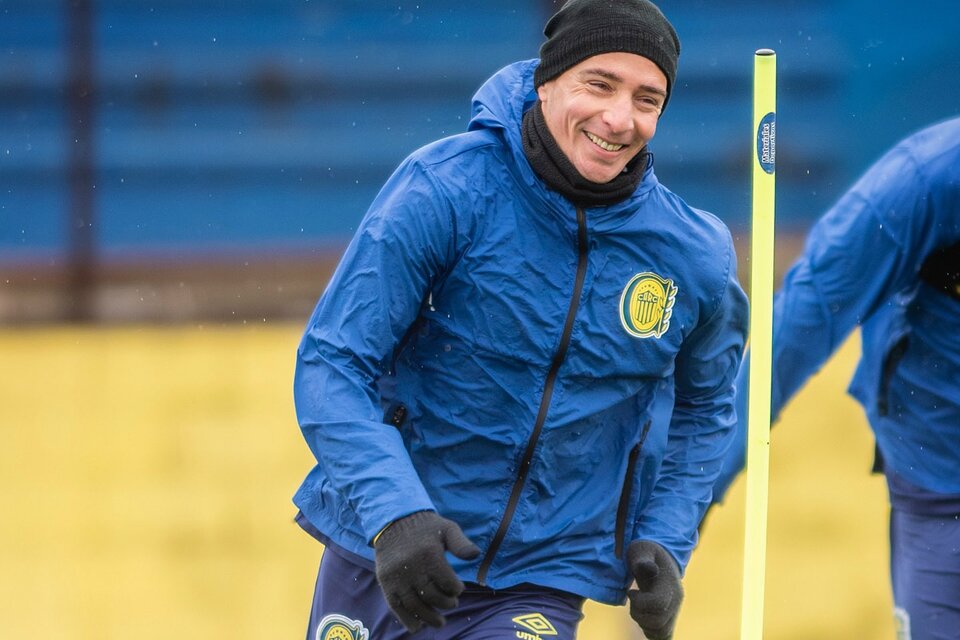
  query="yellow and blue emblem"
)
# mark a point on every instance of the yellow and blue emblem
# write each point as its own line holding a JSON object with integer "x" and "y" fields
{"x": 536, "y": 625}
{"x": 338, "y": 627}
{"x": 646, "y": 305}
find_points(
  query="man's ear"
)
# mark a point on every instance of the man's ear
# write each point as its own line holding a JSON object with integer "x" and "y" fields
{"x": 542, "y": 92}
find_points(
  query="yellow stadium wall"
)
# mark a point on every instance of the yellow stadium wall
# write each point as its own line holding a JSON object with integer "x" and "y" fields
{"x": 146, "y": 477}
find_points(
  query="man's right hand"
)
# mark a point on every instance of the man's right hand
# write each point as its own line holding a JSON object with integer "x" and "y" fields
{"x": 413, "y": 573}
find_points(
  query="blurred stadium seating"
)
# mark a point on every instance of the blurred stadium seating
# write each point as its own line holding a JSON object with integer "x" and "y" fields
{"x": 235, "y": 144}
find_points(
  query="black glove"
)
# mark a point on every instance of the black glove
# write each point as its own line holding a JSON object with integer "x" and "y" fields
{"x": 654, "y": 605}
{"x": 413, "y": 573}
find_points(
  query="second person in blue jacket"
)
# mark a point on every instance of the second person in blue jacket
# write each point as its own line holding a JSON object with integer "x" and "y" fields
{"x": 525, "y": 358}
{"x": 886, "y": 258}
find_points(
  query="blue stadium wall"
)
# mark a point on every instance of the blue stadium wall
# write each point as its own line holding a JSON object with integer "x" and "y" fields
{"x": 269, "y": 125}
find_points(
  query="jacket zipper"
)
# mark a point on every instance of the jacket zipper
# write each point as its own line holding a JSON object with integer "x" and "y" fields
{"x": 624, "y": 504}
{"x": 558, "y": 358}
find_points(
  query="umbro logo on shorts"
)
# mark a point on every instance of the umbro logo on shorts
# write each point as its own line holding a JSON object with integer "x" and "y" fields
{"x": 536, "y": 626}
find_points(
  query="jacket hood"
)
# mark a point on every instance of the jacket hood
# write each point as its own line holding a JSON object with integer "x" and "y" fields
{"x": 503, "y": 99}
{"x": 499, "y": 105}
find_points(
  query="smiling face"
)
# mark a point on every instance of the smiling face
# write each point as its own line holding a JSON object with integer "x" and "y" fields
{"x": 603, "y": 111}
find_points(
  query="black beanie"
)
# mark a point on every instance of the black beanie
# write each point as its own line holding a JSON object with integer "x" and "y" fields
{"x": 585, "y": 28}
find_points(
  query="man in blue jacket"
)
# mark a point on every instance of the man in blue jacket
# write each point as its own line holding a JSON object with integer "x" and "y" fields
{"x": 518, "y": 385}
{"x": 886, "y": 257}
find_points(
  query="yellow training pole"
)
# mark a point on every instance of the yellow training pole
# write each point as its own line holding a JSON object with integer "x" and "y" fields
{"x": 761, "y": 339}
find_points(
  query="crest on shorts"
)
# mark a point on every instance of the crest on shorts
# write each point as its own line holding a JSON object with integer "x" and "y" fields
{"x": 647, "y": 304}
{"x": 338, "y": 627}
{"x": 535, "y": 623}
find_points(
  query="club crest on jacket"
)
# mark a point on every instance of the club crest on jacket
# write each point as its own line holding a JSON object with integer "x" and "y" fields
{"x": 646, "y": 305}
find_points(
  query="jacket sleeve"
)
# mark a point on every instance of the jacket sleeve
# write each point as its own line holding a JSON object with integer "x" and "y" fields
{"x": 403, "y": 243}
{"x": 866, "y": 248}
{"x": 702, "y": 424}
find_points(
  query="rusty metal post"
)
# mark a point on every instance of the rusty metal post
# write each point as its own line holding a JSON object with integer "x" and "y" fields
{"x": 80, "y": 95}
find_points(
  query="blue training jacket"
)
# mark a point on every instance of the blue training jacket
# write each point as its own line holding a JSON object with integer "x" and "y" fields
{"x": 559, "y": 382}
{"x": 861, "y": 266}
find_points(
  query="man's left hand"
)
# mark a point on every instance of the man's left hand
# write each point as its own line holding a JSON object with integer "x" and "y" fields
{"x": 655, "y": 603}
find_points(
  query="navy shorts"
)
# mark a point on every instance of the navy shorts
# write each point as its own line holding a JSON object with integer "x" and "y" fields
{"x": 924, "y": 562}
{"x": 349, "y": 605}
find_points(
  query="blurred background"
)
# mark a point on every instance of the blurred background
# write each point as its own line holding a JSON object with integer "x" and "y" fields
{"x": 177, "y": 180}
